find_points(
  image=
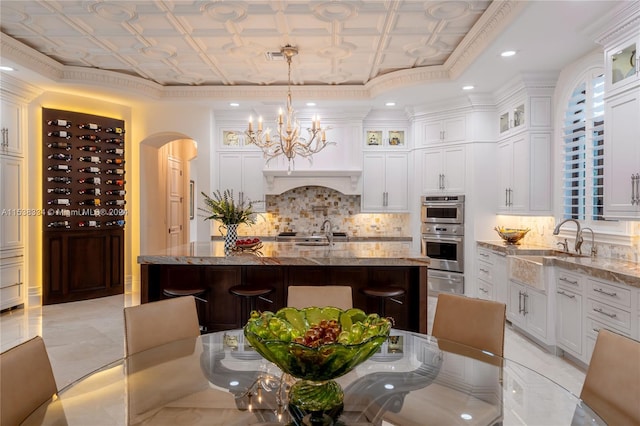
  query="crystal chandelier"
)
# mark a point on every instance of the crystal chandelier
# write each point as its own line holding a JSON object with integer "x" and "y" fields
{"x": 288, "y": 141}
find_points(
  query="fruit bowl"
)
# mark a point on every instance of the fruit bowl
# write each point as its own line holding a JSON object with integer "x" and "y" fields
{"x": 316, "y": 345}
{"x": 247, "y": 243}
{"x": 511, "y": 235}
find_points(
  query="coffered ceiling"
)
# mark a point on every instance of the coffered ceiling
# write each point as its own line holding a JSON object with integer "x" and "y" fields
{"x": 230, "y": 49}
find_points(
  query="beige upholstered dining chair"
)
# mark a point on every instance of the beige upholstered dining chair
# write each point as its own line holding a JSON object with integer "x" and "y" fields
{"x": 26, "y": 380}
{"x": 156, "y": 323}
{"x": 612, "y": 385}
{"x": 302, "y": 296}
{"x": 473, "y": 322}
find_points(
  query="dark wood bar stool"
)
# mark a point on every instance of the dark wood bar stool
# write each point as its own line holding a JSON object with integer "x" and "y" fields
{"x": 251, "y": 292}
{"x": 382, "y": 294}
{"x": 199, "y": 294}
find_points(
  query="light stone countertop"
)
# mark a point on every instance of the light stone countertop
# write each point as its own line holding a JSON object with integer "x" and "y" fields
{"x": 614, "y": 270}
{"x": 379, "y": 253}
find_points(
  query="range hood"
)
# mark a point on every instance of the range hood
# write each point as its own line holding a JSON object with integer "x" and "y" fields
{"x": 347, "y": 182}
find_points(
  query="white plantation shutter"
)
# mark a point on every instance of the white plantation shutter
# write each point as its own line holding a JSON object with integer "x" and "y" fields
{"x": 583, "y": 133}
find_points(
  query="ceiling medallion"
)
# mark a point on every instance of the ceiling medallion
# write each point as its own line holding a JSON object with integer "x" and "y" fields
{"x": 112, "y": 11}
{"x": 223, "y": 12}
{"x": 288, "y": 142}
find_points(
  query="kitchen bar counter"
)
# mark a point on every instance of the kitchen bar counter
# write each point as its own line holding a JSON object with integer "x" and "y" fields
{"x": 381, "y": 253}
{"x": 283, "y": 264}
{"x": 615, "y": 270}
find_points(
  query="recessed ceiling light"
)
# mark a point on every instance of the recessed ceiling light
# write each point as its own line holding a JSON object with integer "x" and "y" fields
{"x": 390, "y": 104}
{"x": 467, "y": 87}
{"x": 234, "y": 104}
{"x": 4, "y": 68}
{"x": 311, "y": 104}
{"x": 466, "y": 416}
{"x": 508, "y": 53}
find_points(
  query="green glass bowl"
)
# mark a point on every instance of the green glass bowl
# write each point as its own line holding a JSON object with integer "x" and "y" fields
{"x": 326, "y": 361}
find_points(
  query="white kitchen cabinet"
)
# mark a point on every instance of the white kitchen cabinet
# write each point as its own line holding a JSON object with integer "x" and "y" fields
{"x": 11, "y": 138}
{"x": 11, "y": 187}
{"x": 512, "y": 118}
{"x": 446, "y": 130}
{"x": 243, "y": 173}
{"x": 527, "y": 309}
{"x": 12, "y": 285}
{"x": 491, "y": 275}
{"x": 621, "y": 64}
{"x": 524, "y": 174}
{"x": 443, "y": 170}
{"x": 385, "y": 182}
{"x": 569, "y": 316}
{"x": 622, "y": 156}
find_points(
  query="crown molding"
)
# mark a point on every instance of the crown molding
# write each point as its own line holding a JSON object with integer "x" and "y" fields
{"x": 620, "y": 23}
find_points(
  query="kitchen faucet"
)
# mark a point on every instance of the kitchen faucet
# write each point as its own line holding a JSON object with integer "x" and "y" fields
{"x": 578, "y": 244}
{"x": 327, "y": 227}
{"x": 594, "y": 250}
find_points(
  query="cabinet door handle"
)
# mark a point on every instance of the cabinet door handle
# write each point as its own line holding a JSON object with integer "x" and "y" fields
{"x": 633, "y": 189}
{"x": 606, "y": 293}
{"x": 510, "y": 197}
{"x": 484, "y": 270}
{"x": 637, "y": 188}
{"x": 483, "y": 290}
{"x": 520, "y": 308}
{"x": 571, "y": 296}
{"x": 525, "y": 297}
{"x": 600, "y": 311}
{"x": 568, "y": 281}
{"x": 506, "y": 197}
{"x": 483, "y": 254}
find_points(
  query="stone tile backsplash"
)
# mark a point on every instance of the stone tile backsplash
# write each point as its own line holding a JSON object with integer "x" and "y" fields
{"x": 542, "y": 234}
{"x": 304, "y": 209}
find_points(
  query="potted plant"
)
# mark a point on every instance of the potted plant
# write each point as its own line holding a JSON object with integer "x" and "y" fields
{"x": 222, "y": 207}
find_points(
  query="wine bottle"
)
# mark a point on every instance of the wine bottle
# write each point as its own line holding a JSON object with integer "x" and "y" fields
{"x": 95, "y": 170}
{"x": 93, "y": 138}
{"x": 90, "y": 191}
{"x": 115, "y": 192}
{"x": 115, "y": 223}
{"x": 115, "y": 203}
{"x": 90, "y": 202}
{"x": 59, "y": 202}
{"x": 60, "y": 168}
{"x": 60, "y": 156}
{"x": 118, "y": 182}
{"x": 91, "y": 180}
{"x": 92, "y": 159}
{"x": 116, "y": 130}
{"x": 115, "y": 171}
{"x": 90, "y": 126}
{"x": 61, "y": 123}
{"x": 115, "y": 141}
{"x": 60, "y": 134}
{"x": 59, "y": 179}
{"x": 65, "y": 191}
{"x": 117, "y": 151}
{"x": 90, "y": 224}
{"x": 60, "y": 145}
{"x": 114, "y": 161}
{"x": 59, "y": 224}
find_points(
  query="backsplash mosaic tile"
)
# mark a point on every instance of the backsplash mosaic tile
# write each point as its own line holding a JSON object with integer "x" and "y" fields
{"x": 304, "y": 209}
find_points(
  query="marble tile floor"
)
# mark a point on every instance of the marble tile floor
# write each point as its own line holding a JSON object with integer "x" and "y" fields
{"x": 83, "y": 336}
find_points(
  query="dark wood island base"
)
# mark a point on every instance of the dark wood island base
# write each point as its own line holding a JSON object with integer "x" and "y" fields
{"x": 281, "y": 265}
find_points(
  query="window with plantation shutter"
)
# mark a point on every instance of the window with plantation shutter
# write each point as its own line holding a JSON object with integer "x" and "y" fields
{"x": 583, "y": 137}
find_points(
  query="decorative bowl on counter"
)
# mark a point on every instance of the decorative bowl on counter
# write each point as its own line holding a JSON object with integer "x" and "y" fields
{"x": 511, "y": 235}
{"x": 316, "y": 345}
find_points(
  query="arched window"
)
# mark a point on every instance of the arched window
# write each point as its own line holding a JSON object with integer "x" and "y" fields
{"x": 583, "y": 137}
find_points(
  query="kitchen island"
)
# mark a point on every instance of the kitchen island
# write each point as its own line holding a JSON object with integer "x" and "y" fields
{"x": 282, "y": 264}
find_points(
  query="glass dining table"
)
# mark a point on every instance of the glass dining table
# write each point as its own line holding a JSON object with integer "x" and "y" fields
{"x": 218, "y": 379}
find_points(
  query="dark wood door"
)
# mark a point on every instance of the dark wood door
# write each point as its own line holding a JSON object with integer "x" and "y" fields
{"x": 82, "y": 265}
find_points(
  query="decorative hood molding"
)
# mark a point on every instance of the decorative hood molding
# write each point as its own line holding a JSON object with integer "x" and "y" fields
{"x": 345, "y": 181}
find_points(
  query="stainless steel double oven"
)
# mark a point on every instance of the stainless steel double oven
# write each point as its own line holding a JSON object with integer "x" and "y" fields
{"x": 442, "y": 238}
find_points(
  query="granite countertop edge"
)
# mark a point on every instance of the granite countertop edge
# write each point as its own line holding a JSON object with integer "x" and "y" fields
{"x": 614, "y": 270}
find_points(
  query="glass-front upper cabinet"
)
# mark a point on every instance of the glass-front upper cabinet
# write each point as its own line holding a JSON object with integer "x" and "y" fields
{"x": 622, "y": 65}
{"x": 512, "y": 119}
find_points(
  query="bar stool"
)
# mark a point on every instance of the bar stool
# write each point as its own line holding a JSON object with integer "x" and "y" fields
{"x": 198, "y": 293}
{"x": 383, "y": 293}
{"x": 252, "y": 292}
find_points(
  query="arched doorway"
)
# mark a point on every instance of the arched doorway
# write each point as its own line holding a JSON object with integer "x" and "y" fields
{"x": 165, "y": 176}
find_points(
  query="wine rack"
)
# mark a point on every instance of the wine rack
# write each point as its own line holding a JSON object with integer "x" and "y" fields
{"x": 84, "y": 207}
{"x": 85, "y": 173}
